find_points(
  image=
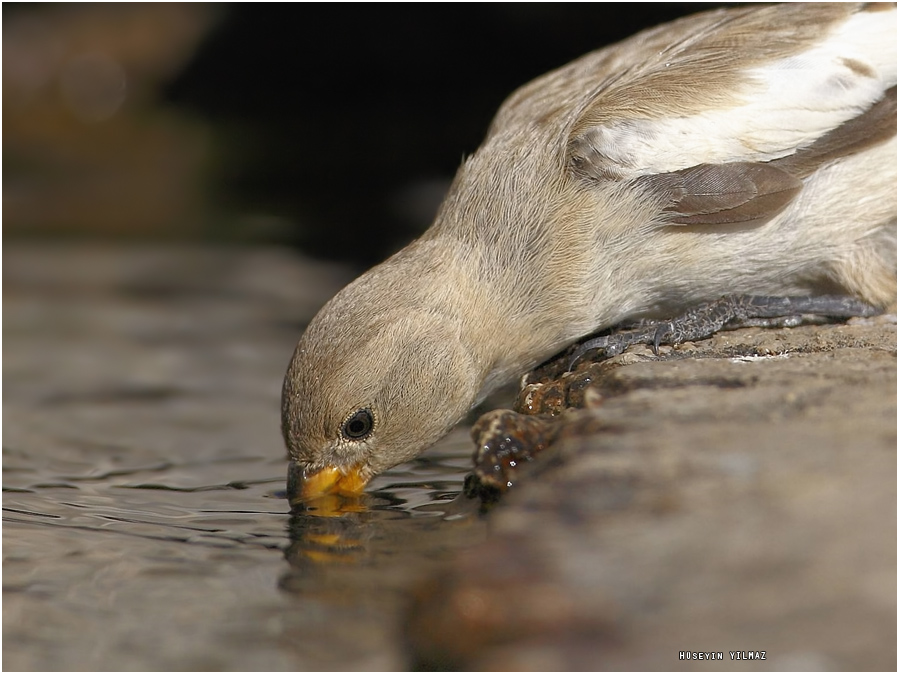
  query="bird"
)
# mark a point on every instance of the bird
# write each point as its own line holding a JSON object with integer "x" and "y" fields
{"x": 739, "y": 151}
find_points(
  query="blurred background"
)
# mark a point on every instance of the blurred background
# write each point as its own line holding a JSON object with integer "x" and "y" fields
{"x": 334, "y": 129}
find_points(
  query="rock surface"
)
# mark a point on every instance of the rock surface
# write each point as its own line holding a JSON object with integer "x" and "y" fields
{"x": 733, "y": 495}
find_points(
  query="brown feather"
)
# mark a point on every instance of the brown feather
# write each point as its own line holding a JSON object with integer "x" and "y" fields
{"x": 719, "y": 194}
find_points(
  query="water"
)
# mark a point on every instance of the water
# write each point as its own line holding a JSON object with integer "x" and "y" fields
{"x": 200, "y": 566}
{"x": 145, "y": 520}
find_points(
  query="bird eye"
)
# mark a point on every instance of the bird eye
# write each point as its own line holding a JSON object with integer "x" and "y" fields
{"x": 359, "y": 425}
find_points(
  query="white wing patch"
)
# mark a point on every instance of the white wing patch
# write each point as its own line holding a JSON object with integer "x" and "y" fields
{"x": 789, "y": 104}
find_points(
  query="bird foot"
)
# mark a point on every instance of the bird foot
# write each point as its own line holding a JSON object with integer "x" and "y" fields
{"x": 728, "y": 313}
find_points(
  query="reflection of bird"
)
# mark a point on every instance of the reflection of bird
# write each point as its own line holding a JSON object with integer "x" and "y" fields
{"x": 745, "y": 150}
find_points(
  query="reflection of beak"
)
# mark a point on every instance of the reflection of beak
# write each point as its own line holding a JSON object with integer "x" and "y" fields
{"x": 330, "y": 505}
{"x": 330, "y": 480}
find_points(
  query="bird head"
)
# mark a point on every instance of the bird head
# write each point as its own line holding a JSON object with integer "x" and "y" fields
{"x": 376, "y": 378}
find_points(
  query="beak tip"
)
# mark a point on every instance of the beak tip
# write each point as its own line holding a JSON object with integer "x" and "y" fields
{"x": 302, "y": 486}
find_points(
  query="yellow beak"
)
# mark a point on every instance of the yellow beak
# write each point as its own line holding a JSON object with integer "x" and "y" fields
{"x": 332, "y": 480}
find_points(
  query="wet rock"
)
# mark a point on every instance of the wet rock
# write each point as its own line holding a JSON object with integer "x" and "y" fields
{"x": 505, "y": 441}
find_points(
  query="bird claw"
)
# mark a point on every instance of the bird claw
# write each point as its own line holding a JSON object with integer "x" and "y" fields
{"x": 661, "y": 333}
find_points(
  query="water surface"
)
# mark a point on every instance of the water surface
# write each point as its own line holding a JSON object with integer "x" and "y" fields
{"x": 200, "y": 566}
{"x": 145, "y": 522}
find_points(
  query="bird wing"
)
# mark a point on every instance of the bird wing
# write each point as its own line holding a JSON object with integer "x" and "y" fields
{"x": 726, "y": 119}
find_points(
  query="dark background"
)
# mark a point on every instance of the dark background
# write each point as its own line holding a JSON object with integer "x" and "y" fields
{"x": 332, "y": 128}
